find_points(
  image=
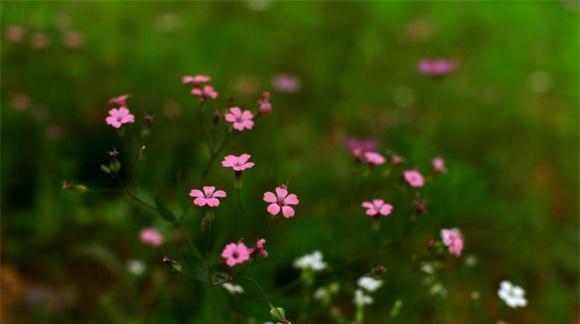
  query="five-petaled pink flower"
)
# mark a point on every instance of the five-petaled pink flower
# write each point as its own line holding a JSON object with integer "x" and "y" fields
{"x": 120, "y": 101}
{"x": 281, "y": 201}
{"x": 377, "y": 207}
{"x": 236, "y": 253}
{"x": 209, "y": 196}
{"x": 196, "y": 80}
{"x": 374, "y": 158}
{"x": 414, "y": 178}
{"x": 453, "y": 239}
{"x": 238, "y": 163}
{"x": 259, "y": 248}
{"x": 436, "y": 67}
{"x": 264, "y": 105}
{"x": 150, "y": 236}
{"x": 439, "y": 165}
{"x": 240, "y": 119}
{"x": 120, "y": 116}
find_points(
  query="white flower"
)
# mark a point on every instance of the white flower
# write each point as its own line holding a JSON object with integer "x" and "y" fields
{"x": 438, "y": 289}
{"x": 233, "y": 289}
{"x": 311, "y": 261}
{"x": 512, "y": 295}
{"x": 369, "y": 284}
{"x": 427, "y": 268}
{"x": 321, "y": 293}
{"x": 361, "y": 299}
{"x": 136, "y": 267}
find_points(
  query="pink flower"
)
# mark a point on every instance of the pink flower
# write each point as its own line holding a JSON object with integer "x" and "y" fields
{"x": 436, "y": 67}
{"x": 240, "y": 119}
{"x": 453, "y": 239}
{"x": 414, "y": 178}
{"x": 396, "y": 159}
{"x": 39, "y": 40}
{"x": 120, "y": 101}
{"x": 73, "y": 39}
{"x": 439, "y": 165}
{"x": 374, "y": 158}
{"x": 264, "y": 105}
{"x": 359, "y": 146}
{"x": 376, "y": 207}
{"x": 286, "y": 83}
{"x": 196, "y": 80}
{"x": 118, "y": 117}
{"x": 15, "y": 33}
{"x": 238, "y": 163}
{"x": 259, "y": 248}
{"x": 281, "y": 201}
{"x": 235, "y": 253}
{"x": 209, "y": 196}
{"x": 151, "y": 237}
{"x": 206, "y": 92}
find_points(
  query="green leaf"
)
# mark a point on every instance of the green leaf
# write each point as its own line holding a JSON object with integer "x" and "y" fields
{"x": 105, "y": 169}
{"x": 115, "y": 166}
{"x": 278, "y": 313}
{"x": 165, "y": 213}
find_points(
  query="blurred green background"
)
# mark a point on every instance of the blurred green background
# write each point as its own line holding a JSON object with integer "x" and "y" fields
{"x": 506, "y": 122}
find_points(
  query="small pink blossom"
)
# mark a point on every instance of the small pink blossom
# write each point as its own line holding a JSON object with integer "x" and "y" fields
{"x": 358, "y": 147}
{"x": 259, "y": 248}
{"x": 377, "y": 207}
{"x": 439, "y": 165}
{"x": 238, "y": 163}
{"x": 209, "y": 196}
{"x": 73, "y": 39}
{"x": 453, "y": 239}
{"x": 120, "y": 101}
{"x": 39, "y": 40}
{"x": 264, "y": 105}
{"x": 286, "y": 83}
{"x": 118, "y": 117}
{"x": 150, "y": 236}
{"x": 15, "y": 33}
{"x": 396, "y": 159}
{"x": 240, "y": 119}
{"x": 436, "y": 67}
{"x": 196, "y": 80}
{"x": 205, "y": 92}
{"x": 414, "y": 178}
{"x": 235, "y": 253}
{"x": 374, "y": 158}
{"x": 281, "y": 201}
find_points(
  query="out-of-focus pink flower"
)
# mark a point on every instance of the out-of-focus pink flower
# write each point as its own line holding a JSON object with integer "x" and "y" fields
{"x": 196, "y": 80}
{"x": 264, "y": 105}
{"x": 396, "y": 159}
{"x": 453, "y": 239}
{"x": 439, "y": 165}
{"x": 235, "y": 253}
{"x": 39, "y": 41}
{"x": 118, "y": 117}
{"x": 436, "y": 67}
{"x": 205, "y": 92}
{"x": 54, "y": 132}
{"x": 121, "y": 100}
{"x": 73, "y": 39}
{"x": 286, "y": 83}
{"x": 260, "y": 248}
{"x": 414, "y": 178}
{"x": 21, "y": 101}
{"x": 377, "y": 207}
{"x": 209, "y": 196}
{"x": 240, "y": 119}
{"x": 238, "y": 163}
{"x": 15, "y": 33}
{"x": 374, "y": 158}
{"x": 281, "y": 201}
{"x": 358, "y": 146}
{"x": 150, "y": 236}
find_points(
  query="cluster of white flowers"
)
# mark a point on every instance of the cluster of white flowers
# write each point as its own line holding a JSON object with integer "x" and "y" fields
{"x": 232, "y": 288}
{"x": 311, "y": 261}
{"x": 368, "y": 284}
{"x": 512, "y": 295}
{"x": 136, "y": 267}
